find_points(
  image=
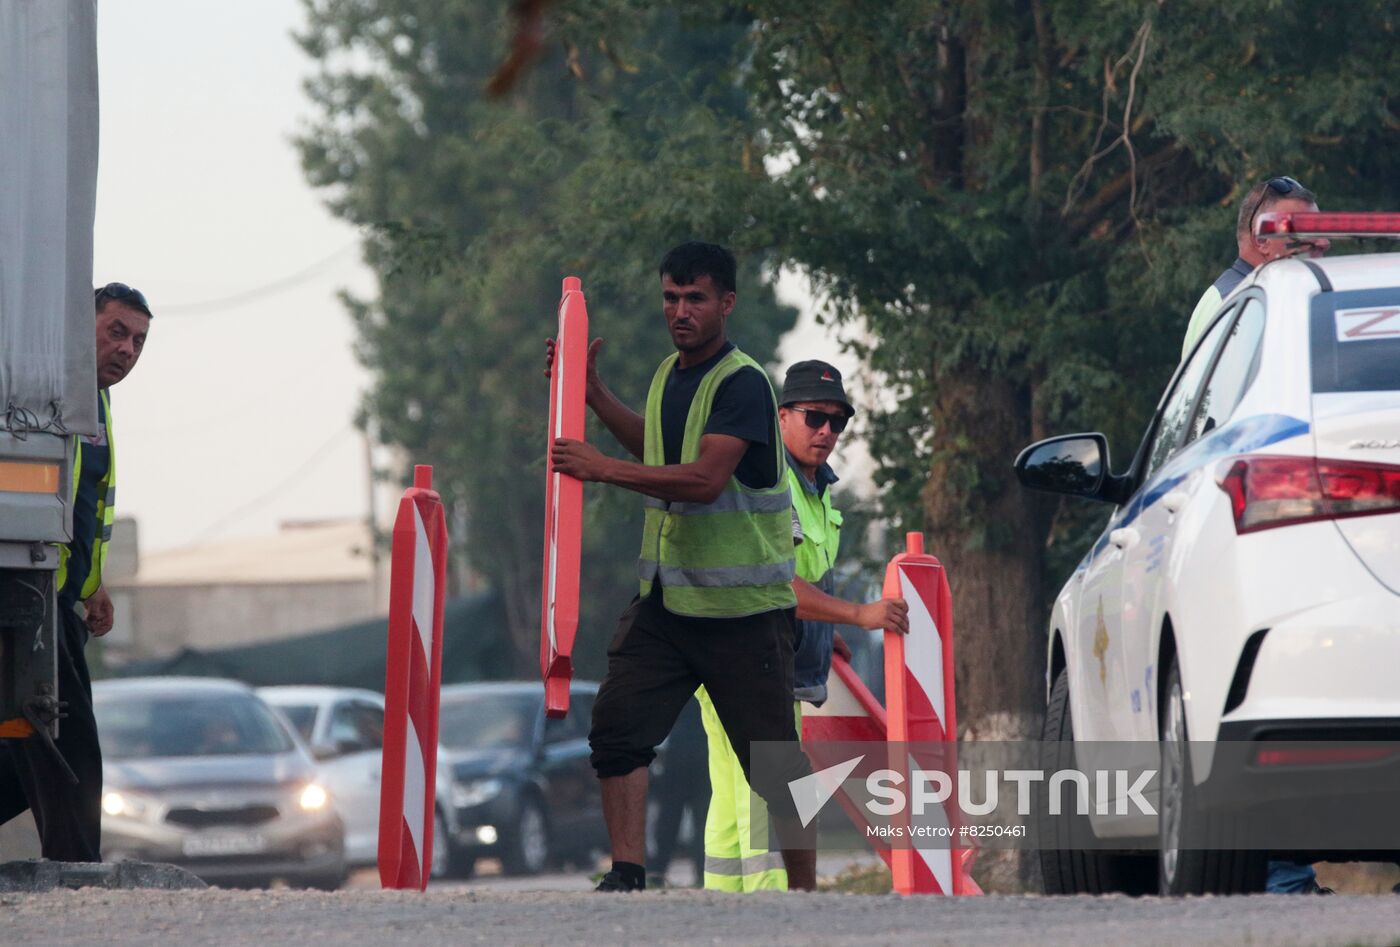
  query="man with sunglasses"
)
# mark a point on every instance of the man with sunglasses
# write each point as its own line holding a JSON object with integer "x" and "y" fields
{"x": 814, "y": 411}
{"x": 67, "y": 815}
{"x": 716, "y": 605}
{"x": 1282, "y": 194}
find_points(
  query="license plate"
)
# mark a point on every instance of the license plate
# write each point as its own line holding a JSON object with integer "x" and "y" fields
{"x": 237, "y": 843}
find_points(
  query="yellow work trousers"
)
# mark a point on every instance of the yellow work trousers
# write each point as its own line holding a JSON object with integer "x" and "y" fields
{"x": 736, "y": 855}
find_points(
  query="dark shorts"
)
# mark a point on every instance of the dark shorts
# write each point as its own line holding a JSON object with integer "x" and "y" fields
{"x": 657, "y": 660}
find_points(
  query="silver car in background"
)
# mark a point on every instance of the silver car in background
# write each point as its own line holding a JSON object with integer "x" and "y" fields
{"x": 202, "y": 773}
{"x": 344, "y": 727}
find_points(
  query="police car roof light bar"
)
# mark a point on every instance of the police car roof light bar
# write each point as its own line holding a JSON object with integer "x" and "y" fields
{"x": 1275, "y": 225}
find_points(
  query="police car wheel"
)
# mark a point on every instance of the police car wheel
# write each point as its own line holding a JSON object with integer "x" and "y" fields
{"x": 1067, "y": 864}
{"x": 1193, "y": 855}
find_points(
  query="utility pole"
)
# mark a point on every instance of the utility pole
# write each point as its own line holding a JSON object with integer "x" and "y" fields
{"x": 371, "y": 521}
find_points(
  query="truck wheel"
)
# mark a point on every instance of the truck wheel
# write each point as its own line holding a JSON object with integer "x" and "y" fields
{"x": 1183, "y": 869}
{"x": 1067, "y": 866}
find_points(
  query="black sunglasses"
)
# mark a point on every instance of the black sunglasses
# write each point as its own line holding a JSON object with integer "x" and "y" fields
{"x": 122, "y": 293}
{"x": 815, "y": 419}
{"x": 1282, "y": 185}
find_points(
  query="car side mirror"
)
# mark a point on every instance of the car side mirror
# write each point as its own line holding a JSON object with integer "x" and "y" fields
{"x": 324, "y": 752}
{"x": 1072, "y": 465}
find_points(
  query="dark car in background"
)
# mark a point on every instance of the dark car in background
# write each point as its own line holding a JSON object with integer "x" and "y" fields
{"x": 522, "y": 787}
{"x": 202, "y": 773}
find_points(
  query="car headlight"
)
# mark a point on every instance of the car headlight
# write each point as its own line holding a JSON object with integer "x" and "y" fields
{"x": 475, "y": 792}
{"x": 122, "y": 804}
{"x": 313, "y": 798}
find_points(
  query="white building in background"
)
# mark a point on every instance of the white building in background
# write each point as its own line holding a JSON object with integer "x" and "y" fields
{"x": 306, "y": 577}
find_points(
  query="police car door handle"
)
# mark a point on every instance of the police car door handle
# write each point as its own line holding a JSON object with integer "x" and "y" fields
{"x": 1124, "y": 538}
{"x": 1174, "y": 501}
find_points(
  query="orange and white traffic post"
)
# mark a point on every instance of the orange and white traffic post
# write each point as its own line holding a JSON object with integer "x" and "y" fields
{"x": 563, "y": 503}
{"x": 412, "y": 684}
{"x": 919, "y": 692}
{"x": 921, "y": 707}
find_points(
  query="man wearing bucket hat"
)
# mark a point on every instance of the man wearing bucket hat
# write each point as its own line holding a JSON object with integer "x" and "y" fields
{"x": 813, "y": 412}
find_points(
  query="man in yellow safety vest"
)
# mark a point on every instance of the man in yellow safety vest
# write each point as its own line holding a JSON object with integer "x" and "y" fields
{"x": 814, "y": 411}
{"x": 715, "y": 604}
{"x": 69, "y": 816}
{"x": 1281, "y": 194}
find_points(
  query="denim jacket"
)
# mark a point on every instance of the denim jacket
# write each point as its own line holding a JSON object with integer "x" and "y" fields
{"x": 821, "y": 538}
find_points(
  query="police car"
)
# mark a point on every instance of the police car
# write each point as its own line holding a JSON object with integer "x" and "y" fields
{"x": 1247, "y": 585}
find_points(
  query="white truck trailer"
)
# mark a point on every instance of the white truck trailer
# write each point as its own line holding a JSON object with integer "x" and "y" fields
{"x": 48, "y": 384}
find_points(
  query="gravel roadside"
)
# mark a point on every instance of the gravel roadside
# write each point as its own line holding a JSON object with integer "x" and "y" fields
{"x": 221, "y": 918}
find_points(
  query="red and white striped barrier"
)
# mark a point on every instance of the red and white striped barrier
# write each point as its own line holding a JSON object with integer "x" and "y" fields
{"x": 563, "y": 504}
{"x": 412, "y": 681}
{"x": 921, "y": 705}
{"x": 851, "y": 714}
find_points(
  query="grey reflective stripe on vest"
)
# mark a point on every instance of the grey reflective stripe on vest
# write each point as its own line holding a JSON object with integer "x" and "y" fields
{"x": 738, "y": 867}
{"x": 730, "y": 501}
{"x": 718, "y": 577}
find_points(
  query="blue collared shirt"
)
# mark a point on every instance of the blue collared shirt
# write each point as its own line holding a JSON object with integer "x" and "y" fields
{"x": 1226, "y": 282}
{"x": 825, "y": 476}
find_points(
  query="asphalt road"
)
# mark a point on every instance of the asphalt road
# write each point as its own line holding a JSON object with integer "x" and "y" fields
{"x": 559, "y": 909}
{"x": 479, "y": 915}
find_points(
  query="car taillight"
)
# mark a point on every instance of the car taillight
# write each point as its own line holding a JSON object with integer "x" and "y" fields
{"x": 1267, "y": 491}
{"x": 1322, "y": 755}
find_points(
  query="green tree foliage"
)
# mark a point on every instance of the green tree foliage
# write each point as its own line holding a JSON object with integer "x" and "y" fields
{"x": 593, "y": 165}
{"x": 1023, "y": 200}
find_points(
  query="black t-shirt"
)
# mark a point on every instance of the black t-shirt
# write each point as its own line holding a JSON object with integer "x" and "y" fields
{"x": 743, "y": 408}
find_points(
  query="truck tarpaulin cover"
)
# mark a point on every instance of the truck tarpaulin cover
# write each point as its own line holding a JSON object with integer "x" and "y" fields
{"x": 48, "y": 195}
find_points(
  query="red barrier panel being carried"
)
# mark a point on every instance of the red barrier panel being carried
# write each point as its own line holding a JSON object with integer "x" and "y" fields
{"x": 921, "y": 706}
{"x": 563, "y": 503}
{"x": 851, "y": 714}
{"x": 412, "y": 681}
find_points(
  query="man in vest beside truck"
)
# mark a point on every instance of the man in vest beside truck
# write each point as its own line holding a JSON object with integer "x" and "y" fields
{"x": 69, "y": 816}
{"x": 716, "y": 605}
{"x": 814, "y": 411}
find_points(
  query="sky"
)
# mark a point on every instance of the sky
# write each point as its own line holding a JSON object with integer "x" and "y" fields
{"x": 239, "y": 415}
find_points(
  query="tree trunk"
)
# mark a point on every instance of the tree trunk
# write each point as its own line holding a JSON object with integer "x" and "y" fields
{"x": 990, "y": 534}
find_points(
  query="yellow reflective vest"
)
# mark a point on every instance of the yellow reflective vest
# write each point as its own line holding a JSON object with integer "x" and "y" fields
{"x": 106, "y": 509}
{"x": 725, "y": 559}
